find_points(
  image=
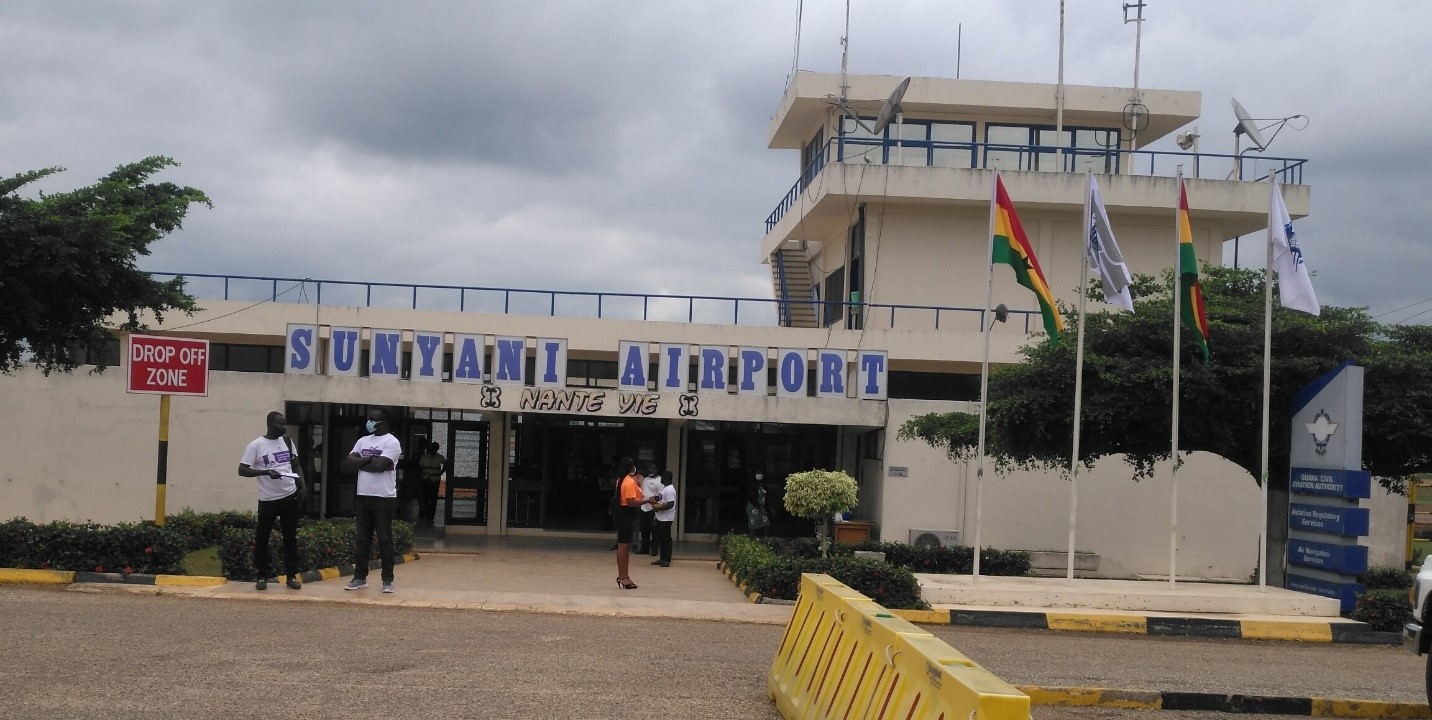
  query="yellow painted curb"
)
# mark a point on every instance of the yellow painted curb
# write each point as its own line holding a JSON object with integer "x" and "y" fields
{"x": 1323, "y": 707}
{"x": 1092, "y": 697}
{"x": 36, "y": 577}
{"x": 1300, "y": 631}
{"x": 189, "y": 580}
{"x": 928, "y": 617}
{"x": 1089, "y": 622}
{"x": 328, "y": 573}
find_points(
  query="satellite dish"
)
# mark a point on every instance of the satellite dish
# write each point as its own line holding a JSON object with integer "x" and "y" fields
{"x": 1246, "y": 127}
{"x": 891, "y": 108}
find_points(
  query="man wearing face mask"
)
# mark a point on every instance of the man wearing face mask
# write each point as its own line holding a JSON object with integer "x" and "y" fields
{"x": 375, "y": 458}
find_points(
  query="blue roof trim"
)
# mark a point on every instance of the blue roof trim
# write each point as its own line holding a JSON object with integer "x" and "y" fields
{"x": 1310, "y": 391}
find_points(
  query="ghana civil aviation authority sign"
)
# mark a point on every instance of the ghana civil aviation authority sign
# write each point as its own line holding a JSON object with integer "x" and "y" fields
{"x": 167, "y": 365}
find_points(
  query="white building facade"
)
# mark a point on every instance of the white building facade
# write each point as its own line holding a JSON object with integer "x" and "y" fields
{"x": 878, "y": 256}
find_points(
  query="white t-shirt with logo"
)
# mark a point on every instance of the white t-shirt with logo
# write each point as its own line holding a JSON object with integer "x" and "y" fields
{"x": 379, "y": 484}
{"x": 271, "y": 454}
{"x": 650, "y": 487}
{"x": 668, "y": 495}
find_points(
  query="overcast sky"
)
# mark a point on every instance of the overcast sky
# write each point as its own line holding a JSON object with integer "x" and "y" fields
{"x": 622, "y": 146}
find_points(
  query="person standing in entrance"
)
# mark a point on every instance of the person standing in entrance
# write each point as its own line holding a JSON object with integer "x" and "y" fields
{"x": 629, "y": 501}
{"x": 271, "y": 459}
{"x": 650, "y": 487}
{"x": 375, "y": 458}
{"x": 433, "y": 464}
{"x": 665, "y": 505}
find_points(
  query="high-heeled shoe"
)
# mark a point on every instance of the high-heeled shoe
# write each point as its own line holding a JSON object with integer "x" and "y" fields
{"x": 626, "y": 584}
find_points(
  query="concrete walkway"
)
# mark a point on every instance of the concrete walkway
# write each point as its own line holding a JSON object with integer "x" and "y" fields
{"x": 543, "y": 575}
{"x": 578, "y": 576}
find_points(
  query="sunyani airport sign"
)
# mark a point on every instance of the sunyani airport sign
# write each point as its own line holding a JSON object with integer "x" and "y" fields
{"x": 497, "y": 363}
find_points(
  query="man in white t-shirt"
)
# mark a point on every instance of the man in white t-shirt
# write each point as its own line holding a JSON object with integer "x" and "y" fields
{"x": 375, "y": 458}
{"x": 271, "y": 459}
{"x": 665, "y": 507}
{"x": 650, "y": 487}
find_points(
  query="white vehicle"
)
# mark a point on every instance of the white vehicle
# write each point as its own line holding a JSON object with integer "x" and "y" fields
{"x": 1416, "y": 636}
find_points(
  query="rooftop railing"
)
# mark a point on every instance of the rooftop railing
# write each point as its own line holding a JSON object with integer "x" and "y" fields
{"x": 997, "y": 156}
{"x": 706, "y": 309}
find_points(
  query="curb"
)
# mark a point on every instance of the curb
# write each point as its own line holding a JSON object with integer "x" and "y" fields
{"x": 20, "y": 576}
{"x": 1293, "y": 631}
{"x": 1215, "y": 702}
{"x": 330, "y": 573}
{"x": 1165, "y": 626}
{"x": 750, "y": 594}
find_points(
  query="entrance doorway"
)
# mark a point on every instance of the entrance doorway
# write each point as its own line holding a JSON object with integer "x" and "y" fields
{"x": 562, "y": 467}
{"x": 465, "y": 490}
{"x": 723, "y": 460}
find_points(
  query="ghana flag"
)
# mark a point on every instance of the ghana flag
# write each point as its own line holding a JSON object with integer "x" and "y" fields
{"x": 1011, "y": 246}
{"x": 1195, "y": 315}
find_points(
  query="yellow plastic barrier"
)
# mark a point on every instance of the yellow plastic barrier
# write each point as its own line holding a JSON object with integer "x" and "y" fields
{"x": 844, "y": 656}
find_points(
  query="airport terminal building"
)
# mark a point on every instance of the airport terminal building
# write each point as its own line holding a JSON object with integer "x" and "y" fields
{"x": 878, "y": 257}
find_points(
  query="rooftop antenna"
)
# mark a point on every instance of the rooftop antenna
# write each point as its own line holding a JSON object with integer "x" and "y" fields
{"x": 888, "y": 111}
{"x": 1248, "y": 125}
{"x": 844, "y": 54}
{"x": 1136, "y": 115}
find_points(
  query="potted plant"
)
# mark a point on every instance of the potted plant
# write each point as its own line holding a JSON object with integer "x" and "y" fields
{"x": 816, "y": 495}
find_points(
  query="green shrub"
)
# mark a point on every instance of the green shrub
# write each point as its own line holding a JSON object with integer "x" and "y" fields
{"x": 205, "y": 530}
{"x": 1384, "y": 577}
{"x": 743, "y": 554}
{"x": 321, "y": 544}
{"x": 124, "y": 548}
{"x": 1385, "y": 610}
{"x": 957, "y": 560}
{"x": 889, "y": 586}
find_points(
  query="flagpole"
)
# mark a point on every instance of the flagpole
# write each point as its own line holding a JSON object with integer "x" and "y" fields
{"x": 1079, "y": 381}
{"x": 1173, "y": 453}
{"x": 984, "y": 377}
{"x": 1267, "y": 385}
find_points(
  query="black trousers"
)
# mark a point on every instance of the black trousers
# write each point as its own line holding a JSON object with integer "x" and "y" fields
{"x": 375, "y": 516}
{"x": 427, "y": 500}
{"x": 285, "y": 510}
{"x": 663, "y": 539}
{"x": 646, "y": 526}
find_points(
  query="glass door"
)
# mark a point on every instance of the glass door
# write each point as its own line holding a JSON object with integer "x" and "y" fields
{"x": 465, "y": 496}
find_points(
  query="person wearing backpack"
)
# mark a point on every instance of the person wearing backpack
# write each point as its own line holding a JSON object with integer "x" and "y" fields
{"x": 272, "y": 459}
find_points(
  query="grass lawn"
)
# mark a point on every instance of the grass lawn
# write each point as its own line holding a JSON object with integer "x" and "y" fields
{"x": 203, "y": 562}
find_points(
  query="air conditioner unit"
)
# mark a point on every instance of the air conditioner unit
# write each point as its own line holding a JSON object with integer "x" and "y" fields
{"x": 934, "y": 538}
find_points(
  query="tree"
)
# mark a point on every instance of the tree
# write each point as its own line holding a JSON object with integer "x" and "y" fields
{"x": 1128, "y": 381}
{"x": 67, "y": 263}
{"x": 816, "y": 494}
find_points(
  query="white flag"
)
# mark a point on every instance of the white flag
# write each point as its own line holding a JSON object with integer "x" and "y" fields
{"x": 1295, "y": 287}
{"x": 1104, "y": 257}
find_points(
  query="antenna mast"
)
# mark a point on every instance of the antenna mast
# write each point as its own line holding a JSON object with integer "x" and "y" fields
{"x": 844, "y": 52}
{"x": 1136, "y": 105}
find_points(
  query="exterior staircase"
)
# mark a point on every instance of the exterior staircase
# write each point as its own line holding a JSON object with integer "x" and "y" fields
{"x": 790, "y": 274}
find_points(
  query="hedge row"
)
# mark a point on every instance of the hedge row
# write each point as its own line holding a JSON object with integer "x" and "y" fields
{"x": 328, "y": 543}
{"x": 124, "y": 548}
{"x": 147, "y": 549}
{"x": 957, "y": 560}
{"x": 1383, "y": 609}
{"x": 773, "y": 576}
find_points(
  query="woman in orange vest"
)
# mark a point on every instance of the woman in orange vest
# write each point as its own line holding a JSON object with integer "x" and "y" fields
{"x": 630, "y": 499}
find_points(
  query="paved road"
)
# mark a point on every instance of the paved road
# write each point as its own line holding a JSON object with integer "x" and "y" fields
{"x": 71, "y": 654}
{"x": 1143, "y": 662}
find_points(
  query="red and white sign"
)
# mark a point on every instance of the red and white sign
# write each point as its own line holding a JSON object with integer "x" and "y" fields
{"x": 167, "y": 365}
